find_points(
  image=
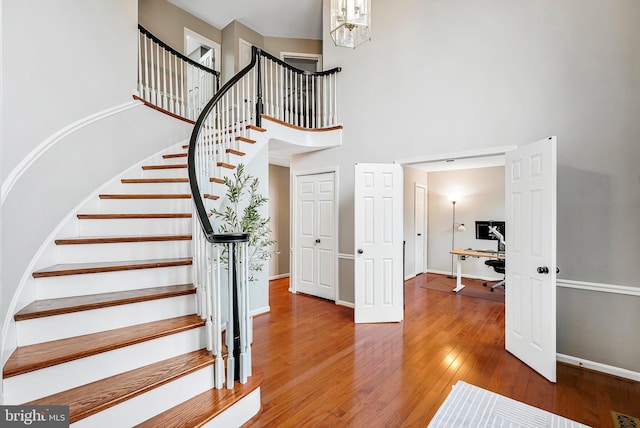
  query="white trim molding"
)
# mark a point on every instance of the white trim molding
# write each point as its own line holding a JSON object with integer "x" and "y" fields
{"x": 345, "y": 304}
{"x": 602, "y": 288}
{"x": 54, "y": 139}
{"x": 604, "y": 368}
{"x": 346, "y": 256}
{"x": 282, "y": 275}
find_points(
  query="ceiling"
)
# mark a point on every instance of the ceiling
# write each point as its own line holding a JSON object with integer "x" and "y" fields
{"x": 300, "y": 19}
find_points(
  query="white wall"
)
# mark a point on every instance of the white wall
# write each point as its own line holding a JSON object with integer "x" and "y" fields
{"x": 441, "y": 77}
{"x": 63, "y": 60}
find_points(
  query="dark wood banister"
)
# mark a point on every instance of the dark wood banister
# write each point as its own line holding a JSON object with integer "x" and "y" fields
{"x": 193, "y": 182}
{"x": 256, "y": 54}
{"x": 179, "y": 55}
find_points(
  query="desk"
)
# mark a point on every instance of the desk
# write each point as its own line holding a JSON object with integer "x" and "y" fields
{"x": 462, "y": 254}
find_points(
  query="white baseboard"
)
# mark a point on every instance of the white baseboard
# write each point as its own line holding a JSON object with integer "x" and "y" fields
{"x": 282, "y": 275}
{"x": 345, "y": 303}
{"x": 604, "y": 368}
{"x": 259, "y": 311}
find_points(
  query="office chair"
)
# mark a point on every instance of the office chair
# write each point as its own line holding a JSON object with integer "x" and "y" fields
{"x": 498, "y": 265}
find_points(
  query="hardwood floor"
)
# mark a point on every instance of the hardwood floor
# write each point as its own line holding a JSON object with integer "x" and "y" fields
{"x": 320, "y": 369}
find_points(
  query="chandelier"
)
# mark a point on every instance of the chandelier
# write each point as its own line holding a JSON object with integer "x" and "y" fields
{"x": 350, "y": 22}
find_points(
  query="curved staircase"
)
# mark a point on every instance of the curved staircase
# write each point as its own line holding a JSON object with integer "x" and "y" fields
{"x": 114, "y": 331}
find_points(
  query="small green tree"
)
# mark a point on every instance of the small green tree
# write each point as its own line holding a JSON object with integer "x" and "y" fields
{"x": 242, "y": 194}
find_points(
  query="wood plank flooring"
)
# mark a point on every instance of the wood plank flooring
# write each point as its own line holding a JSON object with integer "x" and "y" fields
{"x": 322, "y": 370}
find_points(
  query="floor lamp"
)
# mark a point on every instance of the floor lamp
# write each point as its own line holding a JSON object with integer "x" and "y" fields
{"x": 460, "y": 227}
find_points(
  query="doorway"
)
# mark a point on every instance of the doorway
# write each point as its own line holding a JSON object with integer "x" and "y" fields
{"x": 419, "y": 226}
{"x": 314, "y": 234}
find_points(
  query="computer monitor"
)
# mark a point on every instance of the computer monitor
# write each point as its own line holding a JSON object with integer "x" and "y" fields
{"x": 482, "y": 229}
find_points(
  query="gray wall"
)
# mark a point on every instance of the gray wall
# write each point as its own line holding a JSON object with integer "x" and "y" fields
{"x": 279, "y": 191}
{"x": 498, "y": 73}
{"x": 481, "y": 192}
{"x": 167, "y": 22}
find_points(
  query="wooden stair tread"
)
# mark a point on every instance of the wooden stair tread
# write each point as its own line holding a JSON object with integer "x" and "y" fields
{"x": 203, "y": 407}
{"x": 168, "y": 166}
{"x": 235, "y": 152}
{"x": 89, "y": 399}
{"x": 66, "y": 305}
{"x": 40, "y": 355}
{"x": 256, "y": 128}
{"x": 245, "y": 139}
{"x": 216, "y": 180}
{"x": 154, "y": 180}
{"x": 132, "y": 216}
{"x": 145, "y": 196}
{"x": 97, "y": 267}
{"x": 226, "y": 165}
{"x": 211, "y": 197}
{"x": 174, "y": 155}
{"x": 120, "y": 239}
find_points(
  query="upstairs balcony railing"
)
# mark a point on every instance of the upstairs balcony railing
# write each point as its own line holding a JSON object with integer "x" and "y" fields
{"x": 172, "y": 81}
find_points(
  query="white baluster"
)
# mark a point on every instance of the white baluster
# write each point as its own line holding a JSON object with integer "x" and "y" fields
{"x": 165, "y": 101}
{"x": 140, "y": 85}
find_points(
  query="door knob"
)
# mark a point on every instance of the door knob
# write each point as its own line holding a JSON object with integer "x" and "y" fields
{"x": 419, "y": 234}
{"x": 543, "y": 269}
{"x": 557, "y": 270}
{"x": 317, "y": 241}
{"x": 360, "y": 251}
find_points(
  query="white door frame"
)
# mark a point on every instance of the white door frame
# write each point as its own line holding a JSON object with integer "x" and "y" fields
{"x": 302, "y": 55}
{"x": 293, "y": 195}
{"x": 216, "y": 46}
{"x": 423, "y": 187}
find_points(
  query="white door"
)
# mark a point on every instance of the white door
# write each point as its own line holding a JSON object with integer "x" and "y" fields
{"x": 244, "y": 54}
{"x": 530, "y": 302}
{"x": 315, "y": 238}
{"x": 419, "y": 226}
{"x": 379, "y": 287}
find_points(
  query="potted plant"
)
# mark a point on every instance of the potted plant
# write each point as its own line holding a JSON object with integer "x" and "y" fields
{"x": 242, "y": 214}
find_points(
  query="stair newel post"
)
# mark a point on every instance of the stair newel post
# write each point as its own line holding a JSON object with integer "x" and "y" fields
{"x": 235, "y": 277}
{"x": 230, "y": 323}
{"x": 217, "y": 314}
{"x": 259, "y": 106}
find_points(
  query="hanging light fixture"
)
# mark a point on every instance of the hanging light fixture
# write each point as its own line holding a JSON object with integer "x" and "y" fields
{"x": 350, "y": 22}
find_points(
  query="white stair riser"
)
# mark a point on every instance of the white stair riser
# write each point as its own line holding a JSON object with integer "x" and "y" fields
{"x": 81, "y": 253}
{"x": 173, "y": 172}
{"x": 154, "y": 188}
{"x": 86, "y": 322}
{"x": 173, "y": 161}
{"x": 145, "y": 406}
{"x": 238, "y": 414}
{"x": 126, "y": 227}
{"x": 145, "y": 206}
{"x": 50, "y": 380}
{"x": 106, "y": 282}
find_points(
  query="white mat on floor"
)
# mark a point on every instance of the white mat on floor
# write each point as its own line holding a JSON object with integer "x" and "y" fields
{"x": 470, "y": 406}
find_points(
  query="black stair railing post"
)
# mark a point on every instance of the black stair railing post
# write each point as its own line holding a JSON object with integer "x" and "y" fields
{"x": 259, "y": 106}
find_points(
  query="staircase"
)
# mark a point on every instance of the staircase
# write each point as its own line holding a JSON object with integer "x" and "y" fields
{"x": 114, "y": 332}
